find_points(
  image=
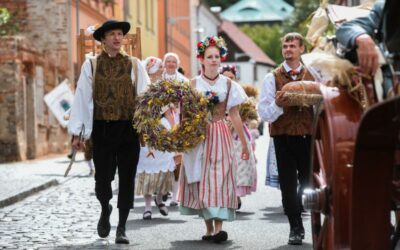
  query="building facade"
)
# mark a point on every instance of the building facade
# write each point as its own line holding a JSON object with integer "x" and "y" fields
{"x": 33, "y": 63}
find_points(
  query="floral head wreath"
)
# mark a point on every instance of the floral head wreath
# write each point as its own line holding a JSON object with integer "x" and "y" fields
{"x": 230, "y": 68}
{"x": 209, "y": 41}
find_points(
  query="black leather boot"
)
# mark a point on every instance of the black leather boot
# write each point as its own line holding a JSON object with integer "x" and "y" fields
{"x": 121, "y": 237}
{"x": 302, "y": 232}
{"x": 295, "y": 230}
{"x": 295, "y": 237}
{"x": 104, "y": 226}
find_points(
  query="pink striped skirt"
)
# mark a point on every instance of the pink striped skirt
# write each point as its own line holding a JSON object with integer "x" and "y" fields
{"x": 217, "y": 187}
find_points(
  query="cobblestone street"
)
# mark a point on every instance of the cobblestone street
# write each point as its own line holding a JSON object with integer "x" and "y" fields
{"x": 65, "y": 217}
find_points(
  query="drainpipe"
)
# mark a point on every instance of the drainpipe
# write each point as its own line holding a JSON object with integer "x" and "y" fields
{"x": 166, "y": 26}
{"x": 69, "y": 28}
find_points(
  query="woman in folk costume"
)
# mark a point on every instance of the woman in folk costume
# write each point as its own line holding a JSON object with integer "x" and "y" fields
{"x": 207, "y": 180}
{"x": 246, "y": 173}
{"x": 155, "y": 168}
{"x": 171, "y": 64}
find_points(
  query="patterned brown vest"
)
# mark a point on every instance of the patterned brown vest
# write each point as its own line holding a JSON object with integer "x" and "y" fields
{"x": 294, "y": 120}
{"x": 114, "y": 96}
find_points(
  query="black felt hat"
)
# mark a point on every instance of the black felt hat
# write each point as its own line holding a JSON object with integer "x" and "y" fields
{"x": 111, "y": 25}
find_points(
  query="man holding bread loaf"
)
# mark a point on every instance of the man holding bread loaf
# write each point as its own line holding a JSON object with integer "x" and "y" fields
{"x": 290, "y": 129}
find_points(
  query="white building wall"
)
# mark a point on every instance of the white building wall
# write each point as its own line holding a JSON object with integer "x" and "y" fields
{"x": 247, "y": 74}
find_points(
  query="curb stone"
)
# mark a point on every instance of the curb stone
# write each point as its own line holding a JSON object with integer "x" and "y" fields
{"x": 18, "y": 197}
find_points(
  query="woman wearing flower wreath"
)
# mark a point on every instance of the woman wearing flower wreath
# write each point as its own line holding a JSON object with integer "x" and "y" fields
{"x": 207, "y": 182}
{"x": 246, "y": 173}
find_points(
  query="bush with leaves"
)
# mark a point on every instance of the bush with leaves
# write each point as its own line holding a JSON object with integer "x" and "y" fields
{"x": 7, "y": 25}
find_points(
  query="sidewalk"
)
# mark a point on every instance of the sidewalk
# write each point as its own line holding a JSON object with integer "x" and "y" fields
{"x": 19, "y": 180}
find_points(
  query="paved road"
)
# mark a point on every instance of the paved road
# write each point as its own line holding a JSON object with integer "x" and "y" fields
{"x": 65, "y": 217}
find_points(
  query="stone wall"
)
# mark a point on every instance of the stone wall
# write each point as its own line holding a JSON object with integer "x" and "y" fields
{"x": 27, "y": 128}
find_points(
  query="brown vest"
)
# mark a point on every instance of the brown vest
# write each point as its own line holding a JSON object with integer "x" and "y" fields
{"x": 294, "y": 120}
{"x": 114, "y": 94}
{"x": 219, "y": 110}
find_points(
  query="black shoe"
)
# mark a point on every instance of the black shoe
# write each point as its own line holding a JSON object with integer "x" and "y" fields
{"x": 220, "y": 237}
{"x": 165, "y": 197}
{"x": 295, "y": 237}
{"x": 302, "y": 233}
{"x": 121, "y": 237}
{"x": 207, "y": 237}
{"x": 104, "y": 226}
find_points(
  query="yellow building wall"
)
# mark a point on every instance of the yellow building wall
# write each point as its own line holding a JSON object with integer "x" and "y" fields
{"x": 119, "y": 10}
{"x": 143, "y": 14}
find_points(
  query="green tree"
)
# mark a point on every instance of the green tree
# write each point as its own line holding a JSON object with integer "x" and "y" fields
{"x": 267, "y": 38}
{"x": 7, "y": 25}
{"x": 300, "y": 17}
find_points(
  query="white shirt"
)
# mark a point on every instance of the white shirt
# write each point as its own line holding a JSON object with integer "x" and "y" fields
{"x": 82, "y": 108}
{"x": 236, "y": 96}
{"x": 267, "y": 108}
{"x": 177, "y": 76}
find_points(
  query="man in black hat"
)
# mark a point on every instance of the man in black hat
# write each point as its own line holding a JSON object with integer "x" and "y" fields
{"x": 103, "y": 111}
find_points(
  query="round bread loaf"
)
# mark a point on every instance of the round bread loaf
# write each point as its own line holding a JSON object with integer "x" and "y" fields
{"x": 302, "y": 93}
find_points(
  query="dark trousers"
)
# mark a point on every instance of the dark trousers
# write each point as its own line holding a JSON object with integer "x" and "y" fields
{"x": 115, "y": 143}
{"x": 293, "y": 160}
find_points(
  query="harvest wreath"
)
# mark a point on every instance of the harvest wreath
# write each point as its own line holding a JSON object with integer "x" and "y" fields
{"x": 193, "y": 118}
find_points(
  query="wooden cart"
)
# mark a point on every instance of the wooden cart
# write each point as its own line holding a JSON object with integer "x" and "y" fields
{"x": 353, "y": 167}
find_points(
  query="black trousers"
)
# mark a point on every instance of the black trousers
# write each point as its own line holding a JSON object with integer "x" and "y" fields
{"x": 293, "y": 160}
{"x": 115, "y": 143}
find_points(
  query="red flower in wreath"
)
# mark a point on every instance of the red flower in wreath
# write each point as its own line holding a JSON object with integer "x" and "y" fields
{"x": 212, "y": 42}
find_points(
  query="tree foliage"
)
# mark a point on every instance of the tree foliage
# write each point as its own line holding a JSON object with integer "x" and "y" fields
{"x": 267, "y": 38}
{"x": 303, "y": 9}
{"x": 7, "y": 24}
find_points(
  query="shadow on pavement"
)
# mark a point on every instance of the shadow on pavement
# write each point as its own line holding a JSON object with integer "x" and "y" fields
{"x": 155, "y": 221}
{"x": 97, "y": 244}
{"x": 275, "y": 217}
{"x": 68, "y": 161}
{"x": 273, "y": 209}
{"x": 200, "y": 244}
{"x": 240, "y": 215}
{"x": 62, "y": 175}
{"x": 291, "y": 247}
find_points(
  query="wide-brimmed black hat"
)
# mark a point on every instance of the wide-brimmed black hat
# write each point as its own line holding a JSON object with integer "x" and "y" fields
{"x": 111, "y": 25}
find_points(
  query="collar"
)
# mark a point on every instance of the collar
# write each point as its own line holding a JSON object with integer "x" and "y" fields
{"x": 119, "y": 54}
{"x": 288, "y": 68}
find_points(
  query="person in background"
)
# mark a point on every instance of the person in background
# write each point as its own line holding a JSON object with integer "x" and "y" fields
{"x": 291, "y": 131}
{"x": 171, "y": 64}
{"x": 155, "y": 171}
{"x": 246, "y": 173}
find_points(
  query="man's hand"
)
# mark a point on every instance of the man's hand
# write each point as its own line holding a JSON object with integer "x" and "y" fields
{"x": 367, "y": 54}
{"x": 77, "y": 144}
{"x": 280, "y": 99}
